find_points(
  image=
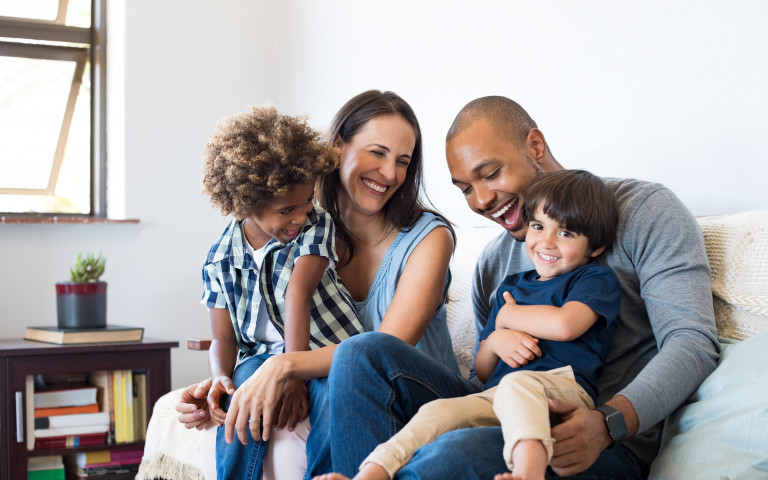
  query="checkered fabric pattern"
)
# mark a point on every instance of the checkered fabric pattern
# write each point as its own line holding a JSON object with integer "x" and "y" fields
{"x": 231, "y": 278}
{"x": 333, "y": 312}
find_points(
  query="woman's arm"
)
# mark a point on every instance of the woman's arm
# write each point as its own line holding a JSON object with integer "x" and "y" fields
{"x": 421, "y": 288}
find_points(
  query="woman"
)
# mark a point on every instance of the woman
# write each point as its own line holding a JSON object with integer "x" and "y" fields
{"x": 394, "y": 261}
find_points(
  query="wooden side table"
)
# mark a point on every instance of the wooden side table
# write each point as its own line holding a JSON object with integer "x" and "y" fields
{"x": 19, "y": 358}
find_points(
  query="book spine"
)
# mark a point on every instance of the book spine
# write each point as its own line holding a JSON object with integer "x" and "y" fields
{"x": 73, "y": 420}
{"x": 70, "y": 441}
{"x": 50, "y": 412}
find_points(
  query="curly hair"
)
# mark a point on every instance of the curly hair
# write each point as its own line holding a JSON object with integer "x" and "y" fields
{"x": 254, "y": 157}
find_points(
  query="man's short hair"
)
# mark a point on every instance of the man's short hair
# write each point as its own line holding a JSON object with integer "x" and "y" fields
{"x": 508, "y": 118}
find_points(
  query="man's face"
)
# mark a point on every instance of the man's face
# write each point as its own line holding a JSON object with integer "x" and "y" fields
{"x": 492, "y": 174}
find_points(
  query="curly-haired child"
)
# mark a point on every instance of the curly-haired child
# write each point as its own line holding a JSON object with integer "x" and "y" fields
{"x": 270, "y": 280}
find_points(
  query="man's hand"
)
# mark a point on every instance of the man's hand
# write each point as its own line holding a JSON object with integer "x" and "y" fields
{"x": 579, "y": 440}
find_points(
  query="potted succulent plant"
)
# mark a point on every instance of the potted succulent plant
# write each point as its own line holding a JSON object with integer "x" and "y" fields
{"x": 82, "y": 301}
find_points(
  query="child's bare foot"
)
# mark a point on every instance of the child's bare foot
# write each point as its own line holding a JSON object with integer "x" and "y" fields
{"x": 370, "y": 471}
{"x": 330, "y": 476}
{"x": 505, "y": 476}
{"x": 509, "y": 476}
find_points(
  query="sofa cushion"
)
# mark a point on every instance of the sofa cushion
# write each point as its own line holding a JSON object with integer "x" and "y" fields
{"x": 737, "y": 247}
{"x": 461, "y": 318}
{"x": 720, "y": 432}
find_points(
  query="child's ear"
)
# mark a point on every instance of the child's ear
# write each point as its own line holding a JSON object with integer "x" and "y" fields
{"x": 597, "y": 252}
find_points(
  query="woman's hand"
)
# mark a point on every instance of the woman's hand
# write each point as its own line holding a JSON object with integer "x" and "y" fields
{"x": 193, "y": 406}
{"x": 255, "y": 402}
{"x": 294, "y": 406}
{"x": 221, "y": 386}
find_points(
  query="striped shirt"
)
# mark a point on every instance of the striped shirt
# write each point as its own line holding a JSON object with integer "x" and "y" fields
{"x": 232, "y": 279}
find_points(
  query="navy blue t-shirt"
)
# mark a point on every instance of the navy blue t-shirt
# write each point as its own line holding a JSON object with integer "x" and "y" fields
{"x": 593, "y": 285}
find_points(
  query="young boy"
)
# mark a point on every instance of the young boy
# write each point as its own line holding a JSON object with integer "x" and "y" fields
{"x": 547, "y": 335}
{"x": 270, "y": 282}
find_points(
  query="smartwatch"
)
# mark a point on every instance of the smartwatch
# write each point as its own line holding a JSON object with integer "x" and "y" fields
{"x": 614, "y": 420}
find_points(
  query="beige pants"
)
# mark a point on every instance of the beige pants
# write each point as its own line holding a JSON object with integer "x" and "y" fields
{"x": 518, "y": 404}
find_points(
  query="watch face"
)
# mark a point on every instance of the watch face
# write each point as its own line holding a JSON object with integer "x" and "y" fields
{"x": 614, "y": 420}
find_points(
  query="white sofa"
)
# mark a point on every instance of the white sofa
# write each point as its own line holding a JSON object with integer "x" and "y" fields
{"x": 720, "y": 433}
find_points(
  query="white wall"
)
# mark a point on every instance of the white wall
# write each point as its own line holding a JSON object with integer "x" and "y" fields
{"x": 666, "y": 91}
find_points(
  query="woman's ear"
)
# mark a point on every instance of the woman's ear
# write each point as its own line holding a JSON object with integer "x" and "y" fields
{"x": 338, "y": 141}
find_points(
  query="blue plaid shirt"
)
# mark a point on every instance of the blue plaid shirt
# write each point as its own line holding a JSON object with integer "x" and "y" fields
{"x": 231, "y": 276}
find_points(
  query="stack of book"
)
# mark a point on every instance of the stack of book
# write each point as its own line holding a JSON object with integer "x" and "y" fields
{"x": 67, "y": 416}
{"x": 103, "y": 407}
{"x": 103, "y": 465}
{"x": 50, "y": 467}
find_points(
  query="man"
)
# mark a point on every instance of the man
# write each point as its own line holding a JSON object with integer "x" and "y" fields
{"x": 665, "y": 342}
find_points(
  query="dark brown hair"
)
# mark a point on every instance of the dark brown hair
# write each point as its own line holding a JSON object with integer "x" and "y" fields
{"x": 405, "y": 208}
{"x": 259, "y": 155}
{"x": 579, "y": 201}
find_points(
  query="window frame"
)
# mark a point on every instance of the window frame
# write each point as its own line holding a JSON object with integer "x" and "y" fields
{"x": 96, "y": 37}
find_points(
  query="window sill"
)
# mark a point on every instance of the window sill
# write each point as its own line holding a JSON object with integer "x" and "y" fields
{"x": 62, "y": 219}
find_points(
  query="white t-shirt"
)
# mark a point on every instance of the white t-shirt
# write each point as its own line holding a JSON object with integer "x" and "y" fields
{"x": 265, "y": 331}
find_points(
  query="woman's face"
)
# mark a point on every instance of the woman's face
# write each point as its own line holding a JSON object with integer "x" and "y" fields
{"x": 373, "y": 164}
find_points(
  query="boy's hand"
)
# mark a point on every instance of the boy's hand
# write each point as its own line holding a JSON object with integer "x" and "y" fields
{"x": 221, "y": 386}
{"x": 193, "y": 406}
{"x": 506, "y": 311}
{"x": 513, "y": 347}
{"x": 294, "y": 406}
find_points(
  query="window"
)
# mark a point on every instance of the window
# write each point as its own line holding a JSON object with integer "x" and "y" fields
{"x": 52, "y": 147}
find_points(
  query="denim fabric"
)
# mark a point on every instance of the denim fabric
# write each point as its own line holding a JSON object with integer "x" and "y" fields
{"x": 371, "y": 396}
{"x": 235, "y": 461}
{"x": 475, "y": 453}
{"x": 318, "y": 440}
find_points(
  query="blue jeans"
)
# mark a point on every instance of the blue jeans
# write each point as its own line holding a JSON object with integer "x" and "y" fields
{"x": 376, "y": 384}
{"x": 475, "y": 453}
{"x": 318, "y": 441}
{"x": 234, "y": 460}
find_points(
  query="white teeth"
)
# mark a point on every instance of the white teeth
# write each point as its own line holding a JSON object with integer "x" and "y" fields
{"x": 372, "y": 185}
{"x": 548, "y": 258}
{"x": 502, "y": 211}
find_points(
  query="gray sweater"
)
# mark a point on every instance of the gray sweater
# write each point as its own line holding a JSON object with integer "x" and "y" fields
{"x": 665, "y": 343}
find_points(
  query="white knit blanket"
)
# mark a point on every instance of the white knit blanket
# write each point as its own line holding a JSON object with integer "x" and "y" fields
{"x": 737, "y": 247}
{"x": 171, "y": 452}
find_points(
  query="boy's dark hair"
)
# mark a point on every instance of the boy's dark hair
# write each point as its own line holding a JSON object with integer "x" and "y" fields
{"x": 259, "y": 155}
{"x": 579, "y": 201}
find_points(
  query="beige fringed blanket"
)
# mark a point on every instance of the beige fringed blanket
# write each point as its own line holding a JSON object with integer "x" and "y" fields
{"x": 171, "y": 452}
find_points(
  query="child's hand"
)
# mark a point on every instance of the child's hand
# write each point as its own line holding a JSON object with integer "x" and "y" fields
{"x": 294, "y": 406}
{"x": 509, "y": 298}
{"x": 220, "y": 387}
{"x": 193, "y": 406}
{"x": 506, "y": 311}
{"x": 513, "y": 347}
